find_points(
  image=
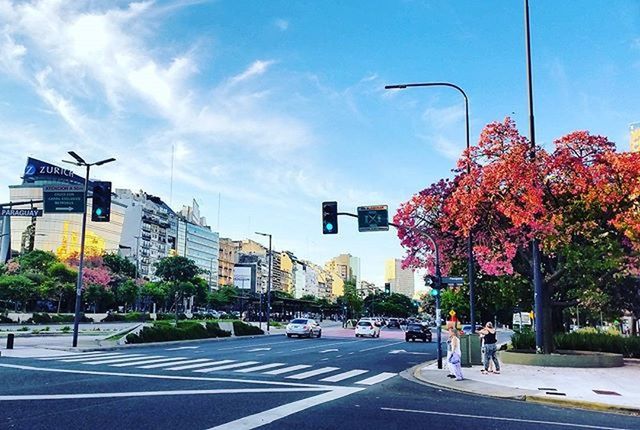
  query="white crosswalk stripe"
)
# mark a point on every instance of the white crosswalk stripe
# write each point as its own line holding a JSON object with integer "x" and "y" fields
{"x": 263, "y": 367}
{"x": 163, "y": 362}
{"x": 195, "y": 366}
{"x": 344, "y": 375}
{"x": 123, "y": 359}
{"x": 173, "y": 363}
{"x": 226, "y": 367}
{"x": 311, "y": 373}
{"x": 77, "y": 355}
{"x": 287, "y": 369}
{"x": 96, "y": 357}
{"x": 378, "y": 378}
{"x": 145, "y": 360}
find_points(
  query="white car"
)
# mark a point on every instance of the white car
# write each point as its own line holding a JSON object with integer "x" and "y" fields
{"x": 306, "y": 327}
{"x": 367, "y": 328}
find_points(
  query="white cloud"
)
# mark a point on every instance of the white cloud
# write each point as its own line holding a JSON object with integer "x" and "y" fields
{"x": 282, "y": 24}
{"x": 442, "y": 128}
{"x": 258, "y": 67}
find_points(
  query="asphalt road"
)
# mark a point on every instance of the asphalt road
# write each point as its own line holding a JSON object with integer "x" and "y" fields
{"x": 272, "y": 382}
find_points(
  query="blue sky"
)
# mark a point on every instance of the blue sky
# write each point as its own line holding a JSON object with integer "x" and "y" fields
{"x": 279, "y": 105}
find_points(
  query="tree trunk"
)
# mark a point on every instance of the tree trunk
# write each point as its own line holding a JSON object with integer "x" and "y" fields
{"x": 59, "y": 302}
{"x": 547, "y": 321}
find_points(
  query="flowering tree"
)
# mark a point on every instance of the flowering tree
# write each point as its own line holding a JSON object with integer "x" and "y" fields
{"x": 580, "y": 201}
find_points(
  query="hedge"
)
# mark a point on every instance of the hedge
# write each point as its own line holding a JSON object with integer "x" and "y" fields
{"x": 44, "y": 318}
{"x": 164, "y": 332}
{"x": 627, "y": 346}
{"x": 242, "y": 329}
{"x": 131, "y": 316}
{"x": 170, "y": 316}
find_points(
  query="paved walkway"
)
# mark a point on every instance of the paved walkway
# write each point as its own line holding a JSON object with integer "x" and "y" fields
{"x": 612, "y": 389}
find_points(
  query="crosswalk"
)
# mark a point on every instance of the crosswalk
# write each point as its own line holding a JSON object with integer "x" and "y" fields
{"x": 297, "y": 372}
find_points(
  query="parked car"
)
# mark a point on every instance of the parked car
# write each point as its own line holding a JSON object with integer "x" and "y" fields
{"x": 303, "y": 327}
{"x": 393, "y": 322}
{"x": 417, "y": 331}
{"x": 367, "y": 328}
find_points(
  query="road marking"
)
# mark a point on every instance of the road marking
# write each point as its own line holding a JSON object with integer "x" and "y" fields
{"x": 263, "y": 367}
{"x": 259, "y": 349}
{"x": 100, "y": 357}
{"x": 378, "y": 378}
{"x": 174, "y": 363}
{"x": 160, "y": 363}
{"x": 121, "y": 359}
{"x": 249, "y": 346}
{"x": 76, "y": 355}
{"x": 262, "y": 418}
{"x": 311, "y": 373}
{"x": 381, "y": 346}
{"x": 182, "y": 347}
{"x": 319, "y": 346}
{"x": 328, "y": 350}
{"x": 145, "y": 361}
{"x": 345, "y": 375}
{"x": 168, "y": 377}
{"x": 195, "y": 366}
{"x": 226, "y": 366}
{"x": 402, "y": 351}
{"x": 154, "y": 393}
{"x": 287, "y": 369}
{"x": 555, "y": 423}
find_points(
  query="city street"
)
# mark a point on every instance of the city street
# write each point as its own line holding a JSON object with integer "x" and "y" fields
{"x": 327, "y": 383}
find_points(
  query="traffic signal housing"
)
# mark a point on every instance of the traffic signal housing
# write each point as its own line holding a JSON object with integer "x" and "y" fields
{"x": 329, "y": 217}
{"x": 387, "y": 288}
{"x": 101, "y": 202}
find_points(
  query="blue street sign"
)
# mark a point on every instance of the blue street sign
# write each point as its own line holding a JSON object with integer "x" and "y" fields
{"x": 63, "y": 198}
{"x": 373, "y": 218}
{"x": 21, "y": 212}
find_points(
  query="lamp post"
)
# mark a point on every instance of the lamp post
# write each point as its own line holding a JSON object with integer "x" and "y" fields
{"x": 470, "y": 264}
{"x": 80, "y": 162}
{"x": 268, "y": 282}
{"x": 538, "y": 286}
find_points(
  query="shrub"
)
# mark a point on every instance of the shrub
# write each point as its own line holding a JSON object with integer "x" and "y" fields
{"x": 627, "y": 346}
{"x": 23, "y": 329}
{"x": 5, "y": 320}
{"x": 44, "y": 318}
{"x": 525, "y": 339}
{"x": 65, "y": 329}
{"x": 170, "y": 316}
{"x": 164, "y": 331}
{"x": 128, "y": 317}
{"x": 242, "y": 329}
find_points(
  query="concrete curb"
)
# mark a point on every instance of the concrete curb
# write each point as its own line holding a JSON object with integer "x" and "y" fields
{"x": 524, "y": 395}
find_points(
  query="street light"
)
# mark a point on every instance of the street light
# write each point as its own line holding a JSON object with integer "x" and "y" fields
{"x": 470, "y": 267}
{"x": 80, "y": 162}
{"x": 268, "y": 282}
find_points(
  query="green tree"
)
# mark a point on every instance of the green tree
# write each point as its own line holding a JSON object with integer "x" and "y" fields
{"x": 60, "y": 285}
{"x": 119, "y": 265}
{"x": 17, "y": 288}
{"x": 222, "y": 297}
{"x": 351, "y": 299}
{"x": 179, "y": 273}
{"x": 127, "y": 293}
{"x": 154, "y": 292}
{"x": 37, "y": 261}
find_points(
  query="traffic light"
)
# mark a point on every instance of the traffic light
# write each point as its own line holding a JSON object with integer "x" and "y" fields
{"x": 387, "y": 288}
{"x": 329, "y": 217}
{"x": 101, "y": 202}
{"x": 434, "y": 292}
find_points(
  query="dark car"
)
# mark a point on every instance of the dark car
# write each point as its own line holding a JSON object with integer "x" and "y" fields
{"x": 417, "y": 331}
{"x": 393, "y": 322}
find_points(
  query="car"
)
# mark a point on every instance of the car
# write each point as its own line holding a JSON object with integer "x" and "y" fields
{"x": 367, "y": 328}
{"x": 466, "y": 329}
{"x": 393, "y": 322}
{"x": 417, "y": 331}
{"x": 303, "y": 327}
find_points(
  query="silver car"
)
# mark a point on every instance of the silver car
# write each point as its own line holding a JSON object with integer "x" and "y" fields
{"x": 306, "y": 327}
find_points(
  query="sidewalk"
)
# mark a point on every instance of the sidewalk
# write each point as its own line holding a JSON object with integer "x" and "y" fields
{"x": 611, "y": 389}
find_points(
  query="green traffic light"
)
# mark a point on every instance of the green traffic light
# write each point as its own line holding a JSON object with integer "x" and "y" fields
{"x": 98, "y": 211}
{"x": 435, "y": 292}
{"x": 329, "y": 226}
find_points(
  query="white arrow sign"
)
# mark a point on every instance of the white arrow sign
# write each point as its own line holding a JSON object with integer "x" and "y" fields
{"x": 65, "y": 209}
{"x": 328, "y": 350}
{"x": 402, "y": 351}
{"x": 259, "y": 349}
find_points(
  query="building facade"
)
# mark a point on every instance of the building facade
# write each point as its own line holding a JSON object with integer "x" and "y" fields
{"x": 199, "y": 244}
{"x": 227, "y": 258}
{"x": 401, "y": 280}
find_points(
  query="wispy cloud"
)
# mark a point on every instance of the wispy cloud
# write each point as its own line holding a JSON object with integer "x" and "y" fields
{"x": 281, "y": 24}
{"x": 258, "y": 67}
{"x": 443, "y": 128}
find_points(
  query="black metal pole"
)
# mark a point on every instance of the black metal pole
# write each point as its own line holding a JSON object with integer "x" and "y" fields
{"x": 269, "y": 289}
{"x": 438, "y": 310}
{"x": 76, "y": 319}
{"x": 470, "y": 260}
{"x": 535, "y": 246}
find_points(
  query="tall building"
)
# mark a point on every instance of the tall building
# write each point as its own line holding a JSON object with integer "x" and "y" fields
{"x": 227, "y": 258}
{"x": 365, "y": 288}
{"x": 199, "y": 244}
{"x": 401, "y": 280}
{"x": 634, "y": 130}
{"x": 59, "y": 232}
{"x": 346, "y": 266}
{"x": 146, "y": 232}
{"x": 253, "y": 253}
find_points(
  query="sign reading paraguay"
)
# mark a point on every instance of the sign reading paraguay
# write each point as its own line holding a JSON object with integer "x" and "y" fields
{"x": 63, "y": 198}
{"x": 20, "y": 212}
{"x": 373, "y": 218}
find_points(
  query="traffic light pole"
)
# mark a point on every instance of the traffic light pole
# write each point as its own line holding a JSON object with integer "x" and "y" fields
{"x": 76, "y": 318}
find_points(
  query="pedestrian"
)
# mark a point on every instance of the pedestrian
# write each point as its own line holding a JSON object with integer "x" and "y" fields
{"x": 489, "y": 348}
{"x": 454, "y": 359}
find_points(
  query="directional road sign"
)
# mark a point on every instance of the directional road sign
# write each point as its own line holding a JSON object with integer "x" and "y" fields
{"x": 452, "y": 281}
{"x": 63, "y": 199}
{"x": 21, "y": 212}
{"x": 373, "y": 218}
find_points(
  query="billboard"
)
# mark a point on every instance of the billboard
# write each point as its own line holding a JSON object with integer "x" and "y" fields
{"x": 244, "y": 277}
{"x": 634, "y": 130}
